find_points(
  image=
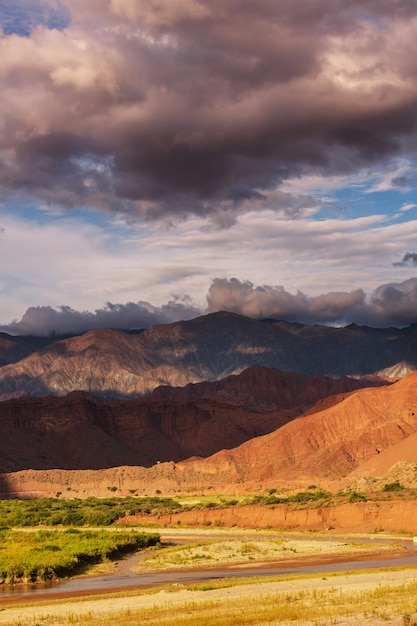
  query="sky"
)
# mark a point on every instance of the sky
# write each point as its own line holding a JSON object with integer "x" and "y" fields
{"x": 164, "y": 159}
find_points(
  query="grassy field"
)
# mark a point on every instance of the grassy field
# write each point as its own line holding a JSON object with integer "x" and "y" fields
{"x": 79, "y": 512}
{"x": 51, "y": 554}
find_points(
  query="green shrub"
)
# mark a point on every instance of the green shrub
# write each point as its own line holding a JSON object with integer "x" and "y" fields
{"x": 395, "y": 486}
{"x": 356, "y": 497}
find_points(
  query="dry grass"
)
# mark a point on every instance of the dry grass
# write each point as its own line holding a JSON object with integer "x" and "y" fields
{"x": 371, "y": 598}
{"x": 234, "y": 551}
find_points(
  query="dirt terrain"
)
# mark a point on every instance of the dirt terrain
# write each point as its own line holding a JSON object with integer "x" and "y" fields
{"x": 359, "y": 441}
{"x": 359, "y": 517}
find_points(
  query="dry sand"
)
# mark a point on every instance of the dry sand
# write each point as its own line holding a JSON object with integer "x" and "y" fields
{"x": 55, "y": 613}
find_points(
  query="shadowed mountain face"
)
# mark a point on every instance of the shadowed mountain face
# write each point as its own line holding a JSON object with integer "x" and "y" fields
{"x": 80, "y": 431}
{"x": 209, "y": 348}
{"x": 13, "y": 349}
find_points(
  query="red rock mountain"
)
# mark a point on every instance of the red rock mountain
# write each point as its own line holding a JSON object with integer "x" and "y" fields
{"x": 371, "y": 432}
{"x": 80, "y": 431}
{"x": 208, "y": 348}
{"x": 326, "y": 445}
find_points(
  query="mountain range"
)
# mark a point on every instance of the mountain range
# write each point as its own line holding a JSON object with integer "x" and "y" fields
{"x": 220, "y": 401}
{"x": 115, "y": 363}
{"x": 81, "y": 431}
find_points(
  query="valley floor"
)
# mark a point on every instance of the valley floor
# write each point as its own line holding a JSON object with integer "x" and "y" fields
{"x": 378, "y": 598}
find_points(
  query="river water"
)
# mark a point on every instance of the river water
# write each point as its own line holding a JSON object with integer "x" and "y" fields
{"x": 125, "y": 578}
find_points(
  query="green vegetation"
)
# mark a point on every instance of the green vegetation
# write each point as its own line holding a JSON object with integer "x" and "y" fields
{"x": 78, "y": 512}
{"x": 355, "y": 496}
{"x": 319, "y": 495}
{"x": 105, "y": 511}
{"x": 99, "y": 512}
{"x": 395, "y": 486}
{"x": 50, "y": 554}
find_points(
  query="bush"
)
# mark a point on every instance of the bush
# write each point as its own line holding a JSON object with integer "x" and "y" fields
{"x": 310, "y": 496}
{"x": 395, "y": 486}
{"x": 356, "y": 497}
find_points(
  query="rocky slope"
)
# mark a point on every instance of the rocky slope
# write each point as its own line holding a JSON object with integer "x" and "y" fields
{"x": 370, "y": 433}
{"x": 267, "y": 389}
{"x": 116, "y": 363}
{"x": 326, "y": 445}
{"x": 80, "y": 431}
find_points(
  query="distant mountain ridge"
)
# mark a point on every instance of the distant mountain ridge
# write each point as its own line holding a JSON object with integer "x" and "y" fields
{"x": 120, "y": 364}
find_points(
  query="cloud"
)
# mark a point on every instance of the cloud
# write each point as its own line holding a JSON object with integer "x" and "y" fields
{"x": 393, "y": 178}
{"x": 389, "y": 305}
{"x": 177, "y": 107}
{"x": 394, "y": 304}
{"x": 275, "y": 302}
{"x": 409, "y": 258}
{"x": 62, "y": 259}
{"x": 45, "y": 320}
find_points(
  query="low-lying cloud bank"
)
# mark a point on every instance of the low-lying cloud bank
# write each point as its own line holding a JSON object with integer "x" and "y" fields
{"x": 390, "y": 305}
{"x": 46, "y": 320}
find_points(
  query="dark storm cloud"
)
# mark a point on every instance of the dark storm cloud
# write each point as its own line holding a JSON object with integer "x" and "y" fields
{"x": 394, "y": 304}
{"x": 390, "y": 305}
{"x": 187, "y": 106}
{"x": 44, "y": 320}
{"x": 409, "y": 258}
